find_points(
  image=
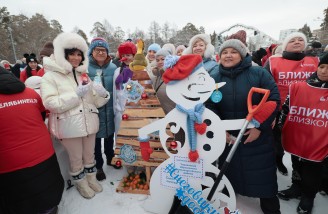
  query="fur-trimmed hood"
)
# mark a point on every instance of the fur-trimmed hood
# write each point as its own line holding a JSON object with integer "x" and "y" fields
{"x": 68, "y": 41}
{"x": 209, "y": 51}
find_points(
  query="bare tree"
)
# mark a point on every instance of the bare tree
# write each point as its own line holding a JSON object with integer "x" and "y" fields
{"x": 98, "y": 30}
{"x": 166, "y": 32}
{"x": 154, "y": 31}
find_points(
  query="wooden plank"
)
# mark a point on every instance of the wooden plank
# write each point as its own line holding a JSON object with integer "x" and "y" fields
{"x": 155, "y": 154}
{"x": 139, "y": 162}
{"x": 138, "y": 123}
{"x": 150, "y": 101}
{"x": 150, "y": 90}
{"x": 133, "y": 132}
{"x": 135, "y": 142}
{"x": 145, "y": 112}
{"x": 128, "y": 132}
{"x": 148, "y": 173}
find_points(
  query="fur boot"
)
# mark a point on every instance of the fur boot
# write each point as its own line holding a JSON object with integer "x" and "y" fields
{"x": 82, "y": 184}
{"x": 91, "y": 171}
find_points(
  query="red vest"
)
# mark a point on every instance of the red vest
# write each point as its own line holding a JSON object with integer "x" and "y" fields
{"x": 305, "y": 133}
{"x": 24, "y": 138}
{"x": 286, "y": 71}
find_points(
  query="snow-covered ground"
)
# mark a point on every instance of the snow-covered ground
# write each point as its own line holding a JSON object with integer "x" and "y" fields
{"x": 111, "y": 202}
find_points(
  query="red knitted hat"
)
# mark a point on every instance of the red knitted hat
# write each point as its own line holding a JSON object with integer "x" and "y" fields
{"x": 127, "y": 48}
{"x": 181, "y": 67}
{"x": 240, "y": 35}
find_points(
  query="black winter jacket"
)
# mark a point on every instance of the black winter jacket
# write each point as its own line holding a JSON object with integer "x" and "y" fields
{"x": 252, "y": 170}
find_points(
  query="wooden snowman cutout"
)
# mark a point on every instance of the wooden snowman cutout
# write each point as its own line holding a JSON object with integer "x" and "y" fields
{"x": 189, "y": 85}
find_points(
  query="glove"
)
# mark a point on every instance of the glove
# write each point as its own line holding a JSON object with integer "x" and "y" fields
{"x": 82, "y": 90}
{"x": 145, "y": 150}
{"x": 100, "y": 89}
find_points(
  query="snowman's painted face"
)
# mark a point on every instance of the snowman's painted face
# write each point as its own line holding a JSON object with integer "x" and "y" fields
{"x": 194, "y": 89}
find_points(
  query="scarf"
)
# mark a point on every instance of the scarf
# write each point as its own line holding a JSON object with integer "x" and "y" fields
{"x": 194, "y": 123}
{"x": 123, "y": 77}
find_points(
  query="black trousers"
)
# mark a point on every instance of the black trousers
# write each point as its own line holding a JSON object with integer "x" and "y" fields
{"x": 108, "y": 150}
{"x": 307, "y": 174}
{"x": 33, "y": 189}
{"x": 277, "y": 139}
{"x": 270, "y": 205}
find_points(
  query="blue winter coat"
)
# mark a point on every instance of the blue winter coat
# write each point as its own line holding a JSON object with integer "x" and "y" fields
{"x": 106, "y": 113}
{"x": 210, "y": 65}
{"x": 252, "y": 170}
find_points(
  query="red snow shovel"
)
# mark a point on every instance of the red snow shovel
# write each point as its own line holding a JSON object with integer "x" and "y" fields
{"x": 260, "y": 113}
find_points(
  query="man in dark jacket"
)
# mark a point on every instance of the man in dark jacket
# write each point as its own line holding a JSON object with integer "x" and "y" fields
{"x": 102, "y": 69}
{"x": 30, "y": 179}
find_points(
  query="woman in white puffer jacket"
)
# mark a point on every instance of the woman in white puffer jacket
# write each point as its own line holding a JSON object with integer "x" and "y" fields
{"x": 72, "y": 99}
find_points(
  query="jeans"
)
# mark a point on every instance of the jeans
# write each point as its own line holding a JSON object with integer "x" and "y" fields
{"x": 108, "y": 150}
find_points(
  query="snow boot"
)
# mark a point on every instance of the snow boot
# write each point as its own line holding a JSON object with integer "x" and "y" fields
{"x": 294, "y": 191}
{"x": 90, "y": 171}
{"x": 82, "y": 184}
{"x": 280, "y": 165}
{"x": 100, "y": 175}
{"x": 305, "y": 206}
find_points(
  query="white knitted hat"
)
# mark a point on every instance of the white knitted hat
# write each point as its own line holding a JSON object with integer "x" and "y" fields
{"x": 291, "y": 36}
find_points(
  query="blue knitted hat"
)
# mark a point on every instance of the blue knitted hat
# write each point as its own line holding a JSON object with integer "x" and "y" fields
{"x": 98, "y": 42}
{"x": 154, "y": 47}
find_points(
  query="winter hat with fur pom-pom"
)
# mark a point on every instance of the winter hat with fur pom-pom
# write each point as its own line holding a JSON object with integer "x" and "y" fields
{"x": 178, "y": 68}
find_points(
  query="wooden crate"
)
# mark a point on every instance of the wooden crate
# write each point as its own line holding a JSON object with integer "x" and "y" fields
{"x": 141, "y": 114}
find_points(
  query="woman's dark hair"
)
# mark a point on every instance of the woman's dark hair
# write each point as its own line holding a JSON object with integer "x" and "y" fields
{"x": 72, "y": 50}
{"x": 29, "y": 70}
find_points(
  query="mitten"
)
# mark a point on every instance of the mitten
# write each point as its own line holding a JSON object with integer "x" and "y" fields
{"x": 264, "y": 113}
{"x": 100, "y": 89}
{"x": 82, "y": 90}
{"x": 145, "y": 150}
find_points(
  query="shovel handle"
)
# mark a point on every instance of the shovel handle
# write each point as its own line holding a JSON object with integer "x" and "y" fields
{"x": 251, "y": 110}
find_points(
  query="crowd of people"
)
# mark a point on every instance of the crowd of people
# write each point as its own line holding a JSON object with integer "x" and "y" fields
{"x": 78, "y": 90}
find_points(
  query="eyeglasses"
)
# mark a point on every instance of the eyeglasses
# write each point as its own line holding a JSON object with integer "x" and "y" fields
{"x": 98, "y": 51}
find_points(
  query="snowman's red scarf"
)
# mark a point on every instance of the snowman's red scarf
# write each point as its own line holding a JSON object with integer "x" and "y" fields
{"x": 194, "y": 122}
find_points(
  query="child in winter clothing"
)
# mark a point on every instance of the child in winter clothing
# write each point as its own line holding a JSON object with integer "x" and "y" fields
{"x": 32, "y": 68}
{"x": 126, "y": 50}
{"x": 72, "y": 99}
{"x": 306, "y": 141}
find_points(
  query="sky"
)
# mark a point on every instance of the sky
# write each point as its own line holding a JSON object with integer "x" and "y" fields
{"x": 268, "y": 16}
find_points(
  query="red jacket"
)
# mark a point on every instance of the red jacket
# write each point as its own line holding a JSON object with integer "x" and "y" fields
{"x": 24, "y": 138}
{"x": 23, "y": 75}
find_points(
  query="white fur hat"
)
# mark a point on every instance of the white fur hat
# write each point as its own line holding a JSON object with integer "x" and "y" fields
{"x": 291, "y": 36}
{"x": 33, "y": 82}
{"x": 69, "y": 41}
{"x": 209, "y": 50}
